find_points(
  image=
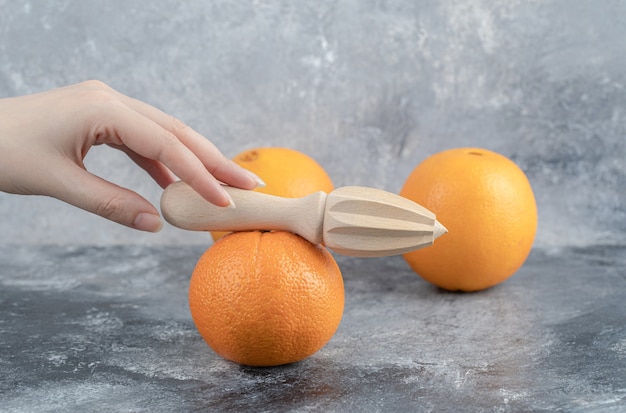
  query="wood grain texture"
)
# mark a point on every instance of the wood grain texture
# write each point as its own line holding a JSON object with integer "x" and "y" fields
{"x": 375, "y": 222}
{"x": 184, "y": 208}
{"x": 356, "y": 221}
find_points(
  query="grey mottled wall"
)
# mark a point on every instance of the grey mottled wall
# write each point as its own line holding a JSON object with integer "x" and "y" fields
{"x": 368, "y": 88}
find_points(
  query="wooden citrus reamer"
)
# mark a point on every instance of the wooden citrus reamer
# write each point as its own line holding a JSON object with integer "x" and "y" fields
{"x": 352, "y": 220}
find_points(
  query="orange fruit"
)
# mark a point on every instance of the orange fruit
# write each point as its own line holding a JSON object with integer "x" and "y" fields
{"x": 266, "y": 298}
{"x": 488, "y": 206}
{"x": 286, "y": 172}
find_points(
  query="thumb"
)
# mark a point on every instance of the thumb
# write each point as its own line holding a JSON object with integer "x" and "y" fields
{"x": 101, "y": 197}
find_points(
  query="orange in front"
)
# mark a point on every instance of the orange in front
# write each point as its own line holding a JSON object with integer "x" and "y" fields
{"x": 266, "y": 298}
{"x": 488, "y": 206}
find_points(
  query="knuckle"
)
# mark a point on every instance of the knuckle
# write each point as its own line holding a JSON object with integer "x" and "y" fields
{"x": 178, "y": 127}
{"x": 111, "y": 207}
{"x": 95, "y": 84}
{"x": 96, "y": 92}
{"x": 168, "y": 142}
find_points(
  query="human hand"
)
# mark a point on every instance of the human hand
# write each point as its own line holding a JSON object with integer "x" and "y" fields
{"x": 45, "y": 137}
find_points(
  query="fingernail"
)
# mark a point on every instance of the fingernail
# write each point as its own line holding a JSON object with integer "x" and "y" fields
{"x": 259, "y": 182}
{"x": 146, "y": 221}
{"x": 231, "y": 202}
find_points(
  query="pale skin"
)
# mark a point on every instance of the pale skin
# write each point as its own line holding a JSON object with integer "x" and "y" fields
{"x": 44, "y": 138}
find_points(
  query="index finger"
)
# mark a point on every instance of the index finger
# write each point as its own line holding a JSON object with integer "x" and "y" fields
{"x": 148, "y": 139}
{"x": 209, "y": 155}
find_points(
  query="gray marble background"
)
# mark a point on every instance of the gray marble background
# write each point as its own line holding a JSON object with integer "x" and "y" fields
{"x": 367, "y": 87}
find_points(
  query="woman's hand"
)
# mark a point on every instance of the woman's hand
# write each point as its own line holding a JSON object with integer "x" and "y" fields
{"x": 44, "y": 138}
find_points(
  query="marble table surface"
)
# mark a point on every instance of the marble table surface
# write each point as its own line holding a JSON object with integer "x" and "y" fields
{"x": 102, "y": 329}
